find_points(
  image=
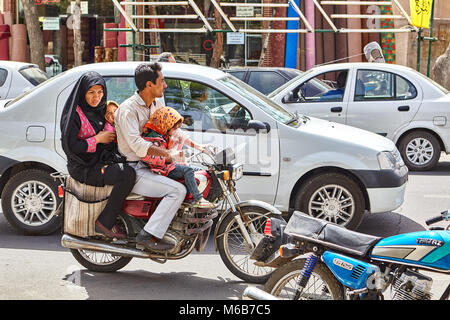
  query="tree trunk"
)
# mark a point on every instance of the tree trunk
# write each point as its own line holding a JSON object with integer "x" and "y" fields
{"x": 78, "y": 45}
{"x": 34, "y": 31}
{"x": 218, "y": 44}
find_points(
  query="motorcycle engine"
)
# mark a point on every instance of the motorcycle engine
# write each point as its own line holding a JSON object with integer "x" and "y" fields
{"x": 411, "y": 285}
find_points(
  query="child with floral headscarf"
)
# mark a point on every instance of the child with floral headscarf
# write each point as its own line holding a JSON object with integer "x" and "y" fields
{"x": 159, "y": 130}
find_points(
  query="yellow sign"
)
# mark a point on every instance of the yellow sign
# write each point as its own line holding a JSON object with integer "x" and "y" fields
{"x": 421, "y": 12}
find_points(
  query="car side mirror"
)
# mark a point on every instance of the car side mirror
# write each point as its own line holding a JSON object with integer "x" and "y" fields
{"x": 289, "y": 97}
{"x": 258, "y": 126}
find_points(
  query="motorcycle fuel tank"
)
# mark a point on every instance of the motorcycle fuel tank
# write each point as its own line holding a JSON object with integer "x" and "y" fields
{"x": 429, "y": 249}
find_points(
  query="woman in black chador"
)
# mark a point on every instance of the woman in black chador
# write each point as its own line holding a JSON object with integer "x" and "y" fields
{"x": 92, "y": 155}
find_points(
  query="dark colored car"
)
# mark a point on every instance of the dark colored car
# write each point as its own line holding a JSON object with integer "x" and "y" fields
{"x": 264, "y": 79}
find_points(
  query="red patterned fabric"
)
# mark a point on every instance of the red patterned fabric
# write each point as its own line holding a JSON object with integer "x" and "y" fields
{"x": 87, "y": 132}
{"x": 157, "y": 163}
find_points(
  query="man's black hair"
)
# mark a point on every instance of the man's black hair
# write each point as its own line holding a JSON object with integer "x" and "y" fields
{"x": 146, "y": 72}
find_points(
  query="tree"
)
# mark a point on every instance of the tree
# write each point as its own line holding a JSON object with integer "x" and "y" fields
{"x": 34, "y": 31}
{"x": 78, "y": 45}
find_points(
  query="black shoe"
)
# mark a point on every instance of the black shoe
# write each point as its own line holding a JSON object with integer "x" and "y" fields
{"x": 145, "y": 240}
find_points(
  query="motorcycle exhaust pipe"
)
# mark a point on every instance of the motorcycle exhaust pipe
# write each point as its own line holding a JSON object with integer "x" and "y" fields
{"x": 72, "y": 242}
{"x": 253, "y": 293}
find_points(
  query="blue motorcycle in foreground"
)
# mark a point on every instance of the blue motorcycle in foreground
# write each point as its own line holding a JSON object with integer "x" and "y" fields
{"x": 320, "y": 260}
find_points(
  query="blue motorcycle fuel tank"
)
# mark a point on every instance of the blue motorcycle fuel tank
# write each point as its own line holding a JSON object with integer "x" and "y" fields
{"x": 429, "y": 249}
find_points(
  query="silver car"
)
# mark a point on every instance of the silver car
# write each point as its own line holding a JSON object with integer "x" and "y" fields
{"x": 19, "y": 77}
{"x": 394, "y": 101}
{"x": 331, "y": 171}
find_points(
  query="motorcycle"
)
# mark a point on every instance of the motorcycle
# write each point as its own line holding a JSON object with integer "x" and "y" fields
{"x": 320, "y": 260}
{"x": 238, "y": 229}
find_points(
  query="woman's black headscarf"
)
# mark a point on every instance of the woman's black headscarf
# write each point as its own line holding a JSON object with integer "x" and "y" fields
{"x": 77, "y": 98}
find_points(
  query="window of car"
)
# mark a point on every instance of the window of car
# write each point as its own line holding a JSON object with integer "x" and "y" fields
{"x": 3, "y": 76}
{"x": 34, "y": 75}
{"x": 376, "y": 85}
{"x": 265, "y": 81}
{"x": 261, "y": 101}
{"x": 238, "y": 74}
{"x": 205, "y": 108}
{"x": 325, "y": 87}
{"x": 120, "y": 88}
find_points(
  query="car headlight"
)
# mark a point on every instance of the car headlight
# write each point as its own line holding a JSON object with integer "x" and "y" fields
{"x": 390, "y": 160}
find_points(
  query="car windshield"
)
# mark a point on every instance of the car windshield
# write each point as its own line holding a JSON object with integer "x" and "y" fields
{"x": 34, "y": 75}
{"x": 287, "y": 84}
{"x": 260, "y": 100}
{"x": 10, "y": 103}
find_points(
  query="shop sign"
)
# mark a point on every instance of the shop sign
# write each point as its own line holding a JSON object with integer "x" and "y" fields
{"x": 235, "y": 38}
{"x": 83, "y": 6}
{"x": 50, "y": 23}
{"x": 245, "y": 12}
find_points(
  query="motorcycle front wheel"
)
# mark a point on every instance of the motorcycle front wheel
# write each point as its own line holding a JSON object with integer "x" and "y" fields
{"x": 101, "y": 261}
{"x": 322, "y": 285}
{"x": 234, "y": 249}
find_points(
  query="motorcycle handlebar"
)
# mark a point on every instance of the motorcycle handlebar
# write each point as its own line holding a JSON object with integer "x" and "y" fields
{"x": 434, "y": 220}
{"x": 445, "y": 215}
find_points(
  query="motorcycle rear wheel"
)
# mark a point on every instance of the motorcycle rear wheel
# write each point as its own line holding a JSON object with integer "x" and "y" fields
{"x": 234, "y": 250}
{"x": 283, "y": 282}
{"x": 101, "y": 261}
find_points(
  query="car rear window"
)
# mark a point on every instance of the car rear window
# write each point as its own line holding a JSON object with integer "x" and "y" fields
{"x": 34, "y": 75}
{"x": 3, "y": 76}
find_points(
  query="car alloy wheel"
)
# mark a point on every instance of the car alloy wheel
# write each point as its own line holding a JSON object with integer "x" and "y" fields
{"x": 34, "y": 203}
{"x": 332, "y": 203}
{"x": 419, "y": 151}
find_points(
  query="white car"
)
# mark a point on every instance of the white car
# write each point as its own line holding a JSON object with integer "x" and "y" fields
{"x": 331, "y": 171}
{"x": 394, "y": 101}
{"x": 19, "y": 77}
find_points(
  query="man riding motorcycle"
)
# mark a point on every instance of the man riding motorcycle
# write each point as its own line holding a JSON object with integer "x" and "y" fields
{"x": 130, "y": 118}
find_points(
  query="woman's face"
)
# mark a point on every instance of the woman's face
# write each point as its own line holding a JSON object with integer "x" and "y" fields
{"x": 94, "y": 95}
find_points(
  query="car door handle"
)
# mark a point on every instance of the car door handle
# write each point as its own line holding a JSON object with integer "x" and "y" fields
{"x": 403, "y": 108}
{"x": 336, "y": 109}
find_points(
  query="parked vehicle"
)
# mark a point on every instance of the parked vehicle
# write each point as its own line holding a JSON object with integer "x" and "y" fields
{"x": 238, "y": 230}
{"x": 343, "y": 264}
{"x": 264, "y": 79}
{"x": 394, "y": 101}
{"x": 329, "y": 170}
{"x": 52, "y": 65}
{"x": 19, "y": 77}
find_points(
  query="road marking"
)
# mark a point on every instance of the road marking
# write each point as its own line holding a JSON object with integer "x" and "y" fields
{"x": 437, "y": 196}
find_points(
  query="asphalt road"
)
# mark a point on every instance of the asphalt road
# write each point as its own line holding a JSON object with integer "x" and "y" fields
{"x": 40, "y": 268}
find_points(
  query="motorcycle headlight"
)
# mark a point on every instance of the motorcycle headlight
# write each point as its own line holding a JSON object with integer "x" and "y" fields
{"x": 237, "y": 171}
{"x": 390, "y": 160}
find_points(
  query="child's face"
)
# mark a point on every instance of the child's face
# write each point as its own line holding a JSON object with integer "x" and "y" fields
{"x": 109, "y": 115}
{"x": 175, "y": 127}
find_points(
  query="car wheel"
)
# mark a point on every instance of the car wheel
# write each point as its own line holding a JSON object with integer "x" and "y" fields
{"x": 420, "y": 150}
{"x": 29, "y": 202}
{"x": 333, "y": 197}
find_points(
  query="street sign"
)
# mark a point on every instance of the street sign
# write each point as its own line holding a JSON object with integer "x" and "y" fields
{"x": 421, "y": 12}
{"x": 235, "y": 38}
{"x": 50, "y": 23}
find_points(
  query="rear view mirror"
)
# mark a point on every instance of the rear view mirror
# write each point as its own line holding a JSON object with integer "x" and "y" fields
{"x": 289, "y": 97}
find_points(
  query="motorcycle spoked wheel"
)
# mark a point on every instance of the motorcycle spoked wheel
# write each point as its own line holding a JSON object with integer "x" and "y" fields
{"x": 322, "y": 285}
{"x": 101, "y": 261}
{"x": 234, "y": 250}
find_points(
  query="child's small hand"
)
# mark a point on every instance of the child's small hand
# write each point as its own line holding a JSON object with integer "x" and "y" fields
{"x": 177, "y": 155}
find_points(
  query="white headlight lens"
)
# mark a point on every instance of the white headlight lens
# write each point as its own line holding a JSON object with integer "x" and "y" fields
{"x": 389, "y": 160}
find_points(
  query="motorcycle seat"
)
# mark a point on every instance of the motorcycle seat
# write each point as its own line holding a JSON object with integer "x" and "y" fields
{"x": 330, "y": 235}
